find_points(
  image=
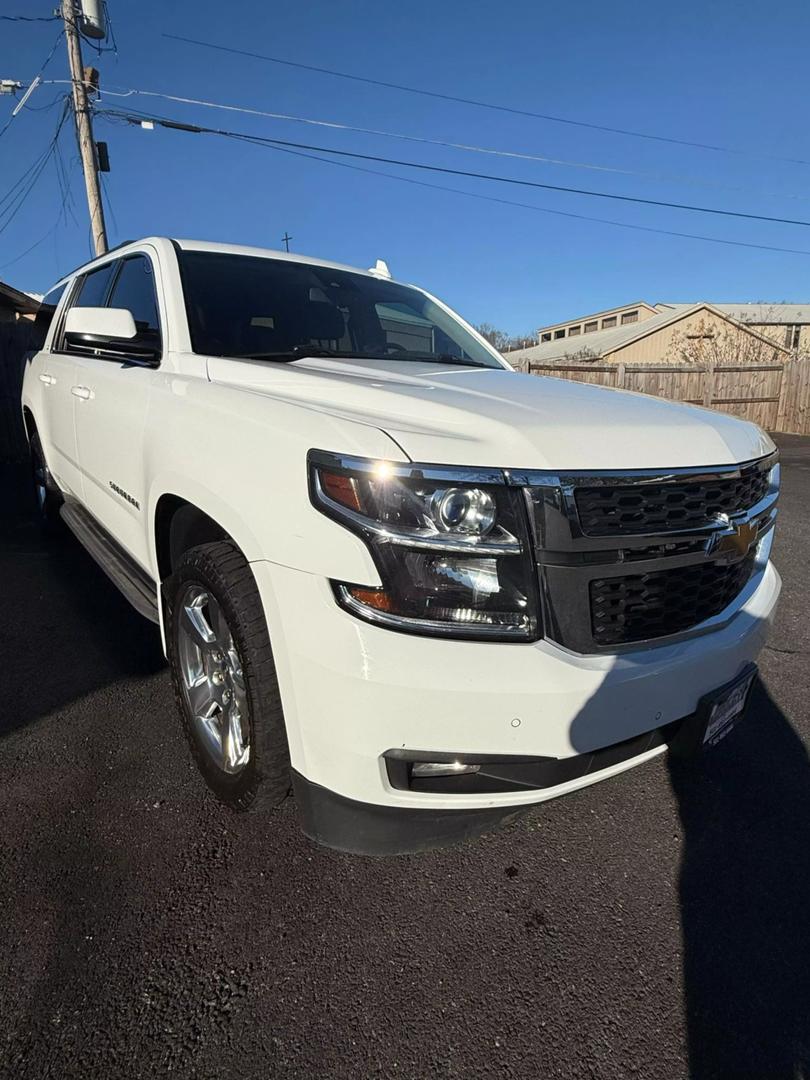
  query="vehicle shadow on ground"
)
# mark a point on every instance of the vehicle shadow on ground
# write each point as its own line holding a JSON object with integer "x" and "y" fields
{"x": 66, "y": 631}
{"x": 745, "y": 900}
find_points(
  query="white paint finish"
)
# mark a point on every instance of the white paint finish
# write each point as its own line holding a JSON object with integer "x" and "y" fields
{"x": 463, "y": 416}
{"x": 103, "y": 322}
{"x": 243, "y": 460}
{"x": 232, "y": 437}
{"x": 110, "y": 433}
{"x": 52, "y": 404}
{"x": 352, "y": 691}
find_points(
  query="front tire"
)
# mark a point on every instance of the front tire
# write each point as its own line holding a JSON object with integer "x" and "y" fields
{"x": 48, "y": 498}
{"x": 225, "y": 678}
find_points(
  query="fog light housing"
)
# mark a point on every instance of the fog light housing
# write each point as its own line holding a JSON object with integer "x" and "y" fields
{"x": 442, "y": 768}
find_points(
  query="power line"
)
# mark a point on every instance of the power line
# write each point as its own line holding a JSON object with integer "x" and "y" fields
{"x": 486, "y": 104}
{"x": 42, "y": 155}
{"x": 18, "y": 194}
{"x": 28, "y": 18}
{"x": 541, "y": 209}
{"x": 530, "y": 206}
{"x": 334, "y": 125}
{"x": 134, "y": 118}
{"x": 45, "y": 63}
{"x": 66, "y": 200}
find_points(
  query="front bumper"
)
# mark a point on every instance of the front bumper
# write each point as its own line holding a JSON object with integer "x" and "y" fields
{"x": 352, "y": 691}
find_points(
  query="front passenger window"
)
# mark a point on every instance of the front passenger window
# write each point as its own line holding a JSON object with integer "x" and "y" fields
{"x": 134, "y": 289}
{"x": 93, "y": 288}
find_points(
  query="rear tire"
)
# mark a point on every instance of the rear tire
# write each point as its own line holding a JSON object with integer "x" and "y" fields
{"x": 225, "y": 678}
{"x": 48, "y": 498}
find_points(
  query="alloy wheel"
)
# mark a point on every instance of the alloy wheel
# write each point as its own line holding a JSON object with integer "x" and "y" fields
{"x": 213, "y": 679}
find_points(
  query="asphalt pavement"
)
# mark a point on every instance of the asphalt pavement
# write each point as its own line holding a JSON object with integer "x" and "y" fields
{"x": 656, "y": 925}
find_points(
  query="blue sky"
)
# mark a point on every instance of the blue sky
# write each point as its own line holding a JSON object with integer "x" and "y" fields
{"x": 721, "y": 73}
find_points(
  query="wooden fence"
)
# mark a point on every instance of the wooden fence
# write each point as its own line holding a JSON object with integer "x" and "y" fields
{"x": 16, "y": 339}
{"x": 775, "y": 396}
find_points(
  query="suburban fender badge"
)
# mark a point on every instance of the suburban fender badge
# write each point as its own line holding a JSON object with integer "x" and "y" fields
{"x": 125, "y": 495}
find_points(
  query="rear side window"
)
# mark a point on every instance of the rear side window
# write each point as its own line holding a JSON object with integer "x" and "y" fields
{"x": 93, "y": 289}
{"x": 134, "y": 289}
{"x": 47, "y": 310}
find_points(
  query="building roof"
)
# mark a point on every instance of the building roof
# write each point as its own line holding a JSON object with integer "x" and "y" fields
{"x": 603, "y": 342}
{"x": 17, "y": 301}
{"x": 761, "y": 314}
{"x": 599, "y": 315}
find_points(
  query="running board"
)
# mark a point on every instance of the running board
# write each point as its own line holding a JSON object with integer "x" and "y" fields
{"x": 136, "y": 585}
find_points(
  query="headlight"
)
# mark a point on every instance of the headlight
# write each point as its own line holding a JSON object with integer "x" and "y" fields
{"x": 451, "y": 546}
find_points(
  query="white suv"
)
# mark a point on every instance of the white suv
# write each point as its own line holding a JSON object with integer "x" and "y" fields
{"x": 422, "y": 589}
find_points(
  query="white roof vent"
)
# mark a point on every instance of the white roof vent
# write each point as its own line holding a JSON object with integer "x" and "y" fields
{"x": 380, "y": 269}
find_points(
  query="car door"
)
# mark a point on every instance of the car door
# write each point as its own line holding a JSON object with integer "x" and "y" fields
{"x": 54, "y": 372}
{"x": 61, "y": 451}
{"x": 111, "y": 409}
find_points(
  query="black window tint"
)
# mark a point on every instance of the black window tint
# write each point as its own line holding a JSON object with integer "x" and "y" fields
{"x": 93, "y": 288}
{"x": 243, "y": 305}
{"x": 134, "y": 289}
{"x": 47, "y": 310}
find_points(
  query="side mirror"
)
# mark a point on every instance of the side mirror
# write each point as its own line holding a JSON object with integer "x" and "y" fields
{"x": 111, "y": 330}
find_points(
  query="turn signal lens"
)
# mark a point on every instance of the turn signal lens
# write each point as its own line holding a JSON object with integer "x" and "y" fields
{"x": 378, "y": 599}
{"x": 341, "y": 488}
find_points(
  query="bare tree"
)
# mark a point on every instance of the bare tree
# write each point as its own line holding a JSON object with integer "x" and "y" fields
{"x": 707, "y": 341}
{"x": 498, "y": 339}
{"x": 502, "y": 341}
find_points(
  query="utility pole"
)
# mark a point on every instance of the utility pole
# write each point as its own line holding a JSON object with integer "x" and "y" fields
{"x": 286, "y": 240}
{"x": 84, "y": 127}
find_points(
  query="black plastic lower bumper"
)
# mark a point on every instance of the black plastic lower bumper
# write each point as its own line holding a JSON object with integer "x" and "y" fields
{"x": 510, "y": 773}
{"x": 369, "y": 829}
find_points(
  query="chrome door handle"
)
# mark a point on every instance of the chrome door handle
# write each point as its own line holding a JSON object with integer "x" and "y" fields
{"x": 49, "y": 380}
{"x": 83, "y": 392}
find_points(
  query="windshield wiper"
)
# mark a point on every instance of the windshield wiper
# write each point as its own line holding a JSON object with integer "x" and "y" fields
{"x": 440, "y": 358}
{"x": 298, "y": 353}
{"x": 301, "y": 352}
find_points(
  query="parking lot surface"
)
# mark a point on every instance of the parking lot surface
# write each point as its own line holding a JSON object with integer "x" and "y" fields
{"x": 656, "y": 925}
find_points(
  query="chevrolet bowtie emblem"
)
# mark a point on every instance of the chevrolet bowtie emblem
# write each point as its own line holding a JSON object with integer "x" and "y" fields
{"x": 734, "y": 541}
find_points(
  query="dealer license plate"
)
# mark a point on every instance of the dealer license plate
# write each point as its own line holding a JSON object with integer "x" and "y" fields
{"x": 727, "y": 710}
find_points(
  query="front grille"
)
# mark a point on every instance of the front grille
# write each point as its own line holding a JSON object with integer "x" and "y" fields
{"x": 626, "y": 510}
{"x": 644, "y": 606}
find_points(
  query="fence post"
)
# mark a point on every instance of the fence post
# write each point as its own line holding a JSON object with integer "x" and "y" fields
{"x": 784, "y": 393}
{"x": 708, "y": 394}
{"x": 620, "y": 374}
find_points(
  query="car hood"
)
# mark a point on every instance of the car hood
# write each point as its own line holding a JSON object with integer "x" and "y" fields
{"x": 473, "y": 416}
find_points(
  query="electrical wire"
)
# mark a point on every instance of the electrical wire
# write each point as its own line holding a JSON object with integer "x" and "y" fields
{"x": 28, "y": 18}
{"x": 531, "y": 206}
{"x": 197, "y": 129}
{"x": 487, "y": 104}
{"x": 444, "y": 144}
{"x": 18, "y": 194}
{"x": 542, "y": 209}
{"x": 66, "y": 200}
{"x": 45, "y": 63}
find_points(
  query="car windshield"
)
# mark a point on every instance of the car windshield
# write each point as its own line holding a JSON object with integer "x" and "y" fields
{"x": 276, "y": 309}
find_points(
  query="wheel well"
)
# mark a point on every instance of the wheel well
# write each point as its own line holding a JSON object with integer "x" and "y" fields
{"x": 179, "y": 525}
{"x": 30, "y": 423}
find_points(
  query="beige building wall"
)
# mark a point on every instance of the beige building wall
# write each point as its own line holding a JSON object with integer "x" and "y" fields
{"x": 778, "y": 334}
{"x": 640, "y": 311}
{"x": 686, "y": 340}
